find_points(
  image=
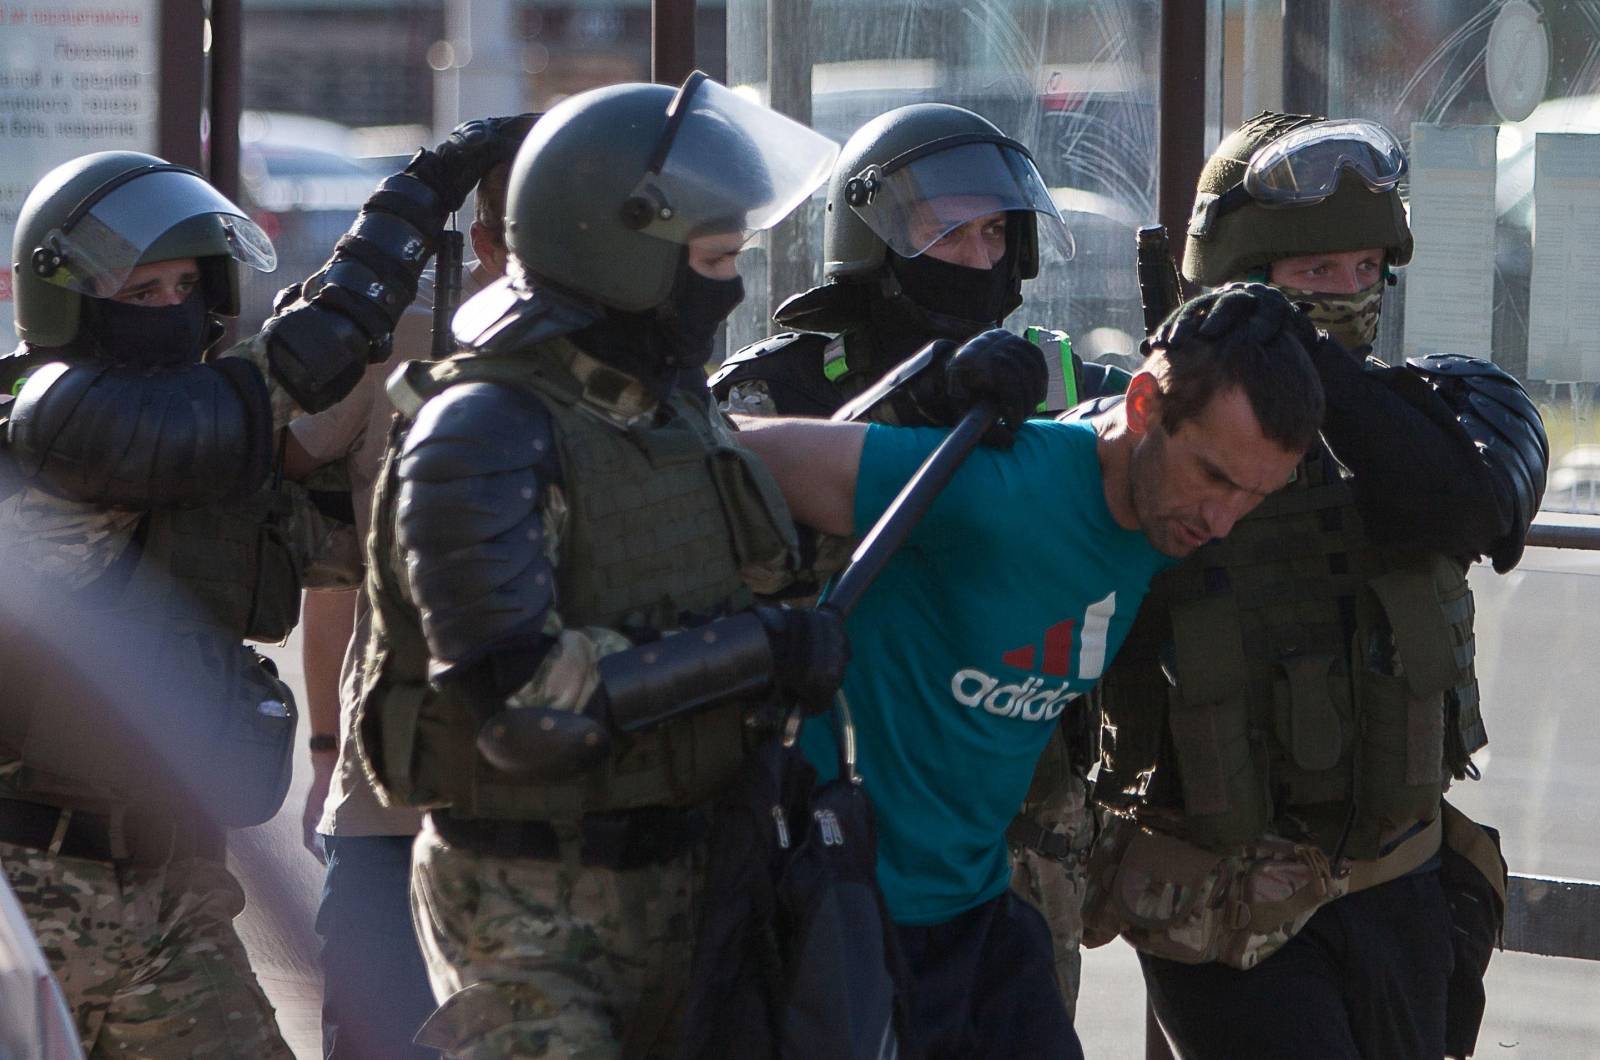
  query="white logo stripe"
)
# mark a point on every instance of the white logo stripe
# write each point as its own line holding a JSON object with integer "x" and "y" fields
{"x": 1096, "y": 623}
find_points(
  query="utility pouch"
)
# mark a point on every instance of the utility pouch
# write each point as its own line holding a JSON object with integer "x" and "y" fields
{"x": 1172, "y": 899}
{"x": 758, "y": 519}
{"x": 255, "y": 743}
{"x": 1224, "y": 790}
{"x": 388, "y": 723}
{"x": 1402, "y": 699}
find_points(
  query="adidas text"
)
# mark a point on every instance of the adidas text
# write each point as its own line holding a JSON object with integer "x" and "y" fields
{"x": 1030, "y": 700}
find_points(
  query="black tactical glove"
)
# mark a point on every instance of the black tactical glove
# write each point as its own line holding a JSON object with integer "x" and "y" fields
{"x": 454, "y": 167}
{"x": 1003, "y": 369}
{"x": 1238, "y": 312}
{"x": 809, "y": 654}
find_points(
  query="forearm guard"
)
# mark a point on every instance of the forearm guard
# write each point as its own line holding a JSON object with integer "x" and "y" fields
{"x": 125, "y": 437}
{"x": 725, "y": 660}
{"x": 326, "y": 331}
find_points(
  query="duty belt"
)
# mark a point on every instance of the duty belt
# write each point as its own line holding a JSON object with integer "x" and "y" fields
{"x": 145, "y": 839}
{"x": 628, "y": 839}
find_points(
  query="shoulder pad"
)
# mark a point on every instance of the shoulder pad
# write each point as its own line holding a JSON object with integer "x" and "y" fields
{"x": 1505, "y": 425}
{"x": 479, "y": 429}
{"x": 779, "y": 350}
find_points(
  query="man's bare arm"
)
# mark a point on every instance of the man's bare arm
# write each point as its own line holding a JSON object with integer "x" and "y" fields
{"x": 815, "y": 463}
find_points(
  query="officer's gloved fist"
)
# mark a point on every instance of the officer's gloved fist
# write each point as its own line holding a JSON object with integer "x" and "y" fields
{"x": 456, "y": 165}
{"x": 1237, "y": 312}
{"x": 809, "y": 653}
{"x": 1003, "y": 369}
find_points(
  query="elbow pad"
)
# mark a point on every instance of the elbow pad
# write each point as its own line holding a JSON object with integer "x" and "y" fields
{"x": 343, "y": 317}
{"x": 472, "y": 473}
{"x": 125, "y": 437}
{"x": 1503, "y": 422}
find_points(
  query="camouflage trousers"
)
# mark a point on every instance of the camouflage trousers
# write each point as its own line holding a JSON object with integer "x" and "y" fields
{"x": 147, "y": 956}
{"x": 539, "y": 959}
{"x": 1054, "y": 886}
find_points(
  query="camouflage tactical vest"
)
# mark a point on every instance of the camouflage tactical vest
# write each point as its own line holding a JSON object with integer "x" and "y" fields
{"x": 1294, "y": 679}
{"x": 660, "y": 519}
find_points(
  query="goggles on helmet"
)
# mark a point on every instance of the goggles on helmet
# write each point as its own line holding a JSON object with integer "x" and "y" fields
{"x": 108, "y": 233}
{"x": 1304, "y": 167}
{"x": 920, "y": 196}
{"x": 725, "y": 164}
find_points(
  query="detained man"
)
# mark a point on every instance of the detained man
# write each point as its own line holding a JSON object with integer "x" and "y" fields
{"x": 1003, "y": 608}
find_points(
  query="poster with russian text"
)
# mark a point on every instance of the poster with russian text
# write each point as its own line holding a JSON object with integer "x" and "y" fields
{"x": 1450, "y": 281}
{"x": 74, "y": 78}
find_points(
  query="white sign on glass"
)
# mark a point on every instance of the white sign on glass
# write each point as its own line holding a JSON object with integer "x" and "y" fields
{"x": 1450, "y": 281}
{"x": 74, "y": 78}
{"x": 1563, "y": 312}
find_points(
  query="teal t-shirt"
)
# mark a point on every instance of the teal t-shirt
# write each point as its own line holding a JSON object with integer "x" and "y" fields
{"x": 1002, "y": 608}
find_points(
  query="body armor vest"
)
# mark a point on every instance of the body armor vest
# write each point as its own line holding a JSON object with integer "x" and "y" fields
{"x": 660, "y": 519}
{"x": 1294, "y": 679}
{"x": 172, "y": 608}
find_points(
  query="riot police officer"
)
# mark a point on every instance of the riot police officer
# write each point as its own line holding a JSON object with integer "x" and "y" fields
{"x": 1294, "y": 701}
{"x": 565, "y": 657}
{"x": 139, "y": 510}
{"x": 933, "y": 222}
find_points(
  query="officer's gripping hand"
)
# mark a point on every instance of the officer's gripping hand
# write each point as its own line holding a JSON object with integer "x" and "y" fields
{"x": 1001, "y": 368}
{"x": 472, "y": 149}
{"x": 809, "y": 654}
{"x": 1238, "y": 312}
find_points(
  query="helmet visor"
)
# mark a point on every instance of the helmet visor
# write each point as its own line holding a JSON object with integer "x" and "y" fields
{"x": 912, "y": 205}
{"x": 1304, "y": 167}
{"x": 726, "y": 164}
{"x": 100, "y": 245}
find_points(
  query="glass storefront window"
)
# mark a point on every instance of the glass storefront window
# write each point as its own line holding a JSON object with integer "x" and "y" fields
{"x": 1075, "y": 81}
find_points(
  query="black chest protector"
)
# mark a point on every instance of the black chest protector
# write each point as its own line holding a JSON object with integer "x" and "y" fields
{"x": 660, "y": 522}
{"x": 1294, "y": 679}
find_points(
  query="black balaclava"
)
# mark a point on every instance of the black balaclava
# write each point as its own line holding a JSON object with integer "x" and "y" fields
{"x": 655, "y": 345}
{"x": 148, "y": 336}
{"x": 920, "y": 299}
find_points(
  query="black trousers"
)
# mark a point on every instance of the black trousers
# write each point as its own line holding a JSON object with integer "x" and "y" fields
{"x": 1365, "y": 978}
{"x": 984, "y": 987}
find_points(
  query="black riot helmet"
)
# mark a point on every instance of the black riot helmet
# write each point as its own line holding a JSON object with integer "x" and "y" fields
{"x": 905, "y": 180}
{"x": 612, "y": 187}
{"x": 90, "y": 222}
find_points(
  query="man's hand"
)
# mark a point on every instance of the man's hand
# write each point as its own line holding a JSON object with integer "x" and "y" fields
{"x": 1003, "y": 369}
{"x": 809, "y": 653}
{"x": 323, "y": 763}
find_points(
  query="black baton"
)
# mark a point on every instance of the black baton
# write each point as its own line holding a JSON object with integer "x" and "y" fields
{"x": 908, "y": 508}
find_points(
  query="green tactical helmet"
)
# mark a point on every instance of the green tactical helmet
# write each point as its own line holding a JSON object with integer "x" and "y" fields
{"x": 1231, "y": 237}
{"x": 612, "y": 183}
{"x": 899, "y": 162}
{"x": 88, "y": 222}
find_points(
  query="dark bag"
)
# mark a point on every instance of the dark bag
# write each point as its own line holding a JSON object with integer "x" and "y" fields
{"x": 795, "y": 956}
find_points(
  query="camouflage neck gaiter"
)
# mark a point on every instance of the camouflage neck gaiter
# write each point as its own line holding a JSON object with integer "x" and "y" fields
{"x": 1351, "y": 319}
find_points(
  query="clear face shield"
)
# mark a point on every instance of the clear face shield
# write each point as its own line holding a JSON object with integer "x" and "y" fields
{"x": 916, "y": 199}
{"x": 1304, "y": 167}
{"x": 725, "y": 168}
{"x": 108, "y": 233}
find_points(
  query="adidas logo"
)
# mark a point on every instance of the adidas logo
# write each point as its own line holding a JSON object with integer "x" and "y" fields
{"x": 1033, "y": 699}
{"x": 1057, "y": 651}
